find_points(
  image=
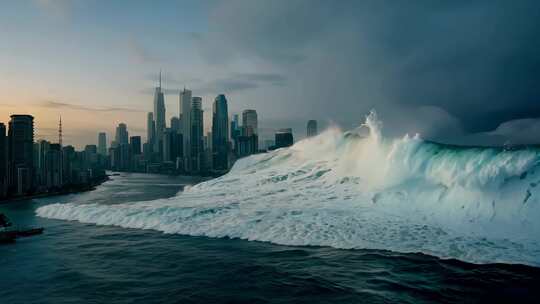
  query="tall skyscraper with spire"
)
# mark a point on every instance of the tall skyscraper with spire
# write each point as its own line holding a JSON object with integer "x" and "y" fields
{"x": 159, "y": 116}
{"x": 220, "y": 133}
{"x": 185, "y": 114}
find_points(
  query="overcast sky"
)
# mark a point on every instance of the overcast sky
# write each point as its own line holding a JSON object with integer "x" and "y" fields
{"x": 463, "y": 72}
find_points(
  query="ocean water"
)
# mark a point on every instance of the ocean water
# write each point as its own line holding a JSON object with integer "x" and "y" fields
{"x": 76, "y": 262}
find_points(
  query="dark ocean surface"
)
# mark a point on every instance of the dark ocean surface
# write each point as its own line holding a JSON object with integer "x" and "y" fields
{"x": 84, "y": 263}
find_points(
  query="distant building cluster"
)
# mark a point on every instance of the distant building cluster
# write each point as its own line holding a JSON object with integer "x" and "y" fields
{"x": 181, "y": 147}
{"x": 28, "y": 167}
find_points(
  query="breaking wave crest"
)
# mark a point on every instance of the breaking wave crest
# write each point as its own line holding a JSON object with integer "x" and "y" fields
{"x": 357, "y": 190}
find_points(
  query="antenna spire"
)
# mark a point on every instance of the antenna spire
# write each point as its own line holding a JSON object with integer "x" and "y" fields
{"x": 160, "y": 78}
{"x": 60, "y": 131}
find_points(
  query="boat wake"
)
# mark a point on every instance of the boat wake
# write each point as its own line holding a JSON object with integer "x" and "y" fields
{"x": 357, "y": 190}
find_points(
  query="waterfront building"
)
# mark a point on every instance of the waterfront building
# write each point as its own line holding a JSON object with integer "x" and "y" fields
{"x": 283, "y": 138}
{"x": 311, "y": 128}
{"x": 246, "y": 145}
{"x": 20, "y": 153}
{"x": 122, "y": 134}
{"x": 102, "y": 143}
{"x": 185, "y": 114}
{"x": 159, "y": 117}
{"x": 249, "y": 122}
{"x": 53, "y": 167}
{"x": 220, "y": 134}
{"x": 70, "y": 166}
{"x": 3, "y": 161}
{"x": 40, "y": 152}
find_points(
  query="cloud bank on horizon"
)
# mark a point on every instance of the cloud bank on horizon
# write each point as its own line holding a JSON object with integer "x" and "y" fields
{"x": 461, "y": 72}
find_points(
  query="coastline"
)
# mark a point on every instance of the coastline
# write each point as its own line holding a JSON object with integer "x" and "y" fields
{"x": 72, "y": 190}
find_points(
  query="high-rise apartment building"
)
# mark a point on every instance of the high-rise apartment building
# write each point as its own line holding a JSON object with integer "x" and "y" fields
{"x": 20, "y": 153}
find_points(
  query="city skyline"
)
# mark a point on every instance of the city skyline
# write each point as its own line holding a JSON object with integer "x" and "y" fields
{"x": 334, "y": 71}
{"x": 162, "y": 103}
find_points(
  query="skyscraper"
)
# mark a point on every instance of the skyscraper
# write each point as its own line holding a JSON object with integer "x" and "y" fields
{"x": 150, "y": 129}
{"x": 185, "y": 108}
{"x": 41, "y": 149}
{"x": 135, "y": 145}
{"x": 102, "y": 143}
{"x": 220, "y": 134}
{"x": 311, "y": 128}
{"x": 122, "y": 136}
{"x": 53, "y": 166}
{"x": 249, "y": 122}
{"x": 20, "y": 152}
{"x": 159, "y": 116}
{"x": 196, "y": 135}
{"x": 167, "y": 144}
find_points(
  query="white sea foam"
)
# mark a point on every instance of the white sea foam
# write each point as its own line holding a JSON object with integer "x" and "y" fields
{"x": 346, "y": 190}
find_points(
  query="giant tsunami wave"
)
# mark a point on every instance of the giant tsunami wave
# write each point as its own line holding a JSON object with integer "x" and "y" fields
{"x": 354, "y": 190}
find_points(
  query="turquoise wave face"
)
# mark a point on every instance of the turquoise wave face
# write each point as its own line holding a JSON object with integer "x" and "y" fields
{"x": 357, "y": 189}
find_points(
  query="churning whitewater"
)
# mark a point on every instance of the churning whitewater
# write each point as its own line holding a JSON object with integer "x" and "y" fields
{"x": 357, "y": 190}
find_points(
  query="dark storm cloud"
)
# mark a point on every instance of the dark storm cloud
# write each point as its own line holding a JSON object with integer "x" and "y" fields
{"x": 474, "y": 63}
{"x": 63, "y": 105}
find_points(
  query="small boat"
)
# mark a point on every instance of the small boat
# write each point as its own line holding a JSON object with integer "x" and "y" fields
{"x": 29, "y": 232}
{"x": 8, "y": 235}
